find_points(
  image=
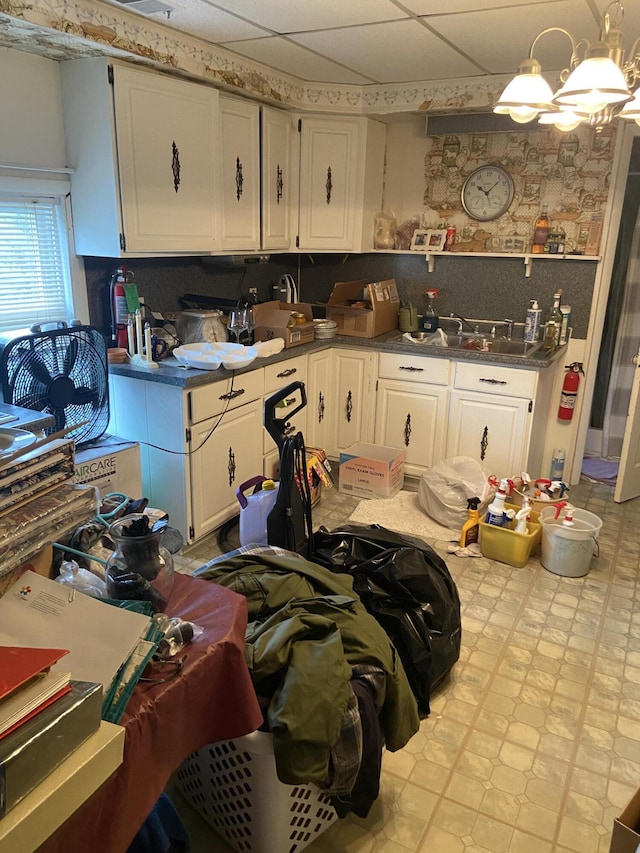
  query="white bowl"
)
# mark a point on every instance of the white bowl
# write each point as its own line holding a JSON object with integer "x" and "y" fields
{"x": 234, "y": 361}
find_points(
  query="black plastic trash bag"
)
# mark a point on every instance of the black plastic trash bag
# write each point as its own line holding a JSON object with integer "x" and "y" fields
{"x": 407, "y": 587}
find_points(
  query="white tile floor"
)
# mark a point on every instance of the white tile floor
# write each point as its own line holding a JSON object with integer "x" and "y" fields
{"x": 533, "y": 743}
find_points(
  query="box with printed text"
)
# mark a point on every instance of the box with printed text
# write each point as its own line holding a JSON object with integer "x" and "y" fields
{"x": 371, "y": 471}
{"x": 112, "y": 465}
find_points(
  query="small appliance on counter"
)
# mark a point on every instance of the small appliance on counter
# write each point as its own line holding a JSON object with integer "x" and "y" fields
{"x": 197, "y": 326}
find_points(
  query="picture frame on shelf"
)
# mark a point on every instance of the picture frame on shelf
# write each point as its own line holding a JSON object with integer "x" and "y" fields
{"x": 429, "y": 240}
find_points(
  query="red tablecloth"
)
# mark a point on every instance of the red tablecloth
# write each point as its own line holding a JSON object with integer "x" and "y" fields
{"x": 212, "y": 700}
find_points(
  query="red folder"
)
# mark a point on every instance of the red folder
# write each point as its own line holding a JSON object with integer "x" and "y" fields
{"x": 18, "y": 665}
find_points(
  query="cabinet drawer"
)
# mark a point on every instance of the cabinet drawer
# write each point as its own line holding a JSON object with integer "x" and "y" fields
{"x": 416, "y": 368}
{"x": 211, "y": 400}
{"x": 278, "y": 375}
{"x": 493, "y": 379}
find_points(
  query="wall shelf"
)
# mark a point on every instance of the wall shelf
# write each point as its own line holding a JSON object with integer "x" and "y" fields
{"x": 528, "y": 257}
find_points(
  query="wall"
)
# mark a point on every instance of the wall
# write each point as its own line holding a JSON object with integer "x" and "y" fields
{"x": 570, "y": 171}
{"x": 32, "y": 131}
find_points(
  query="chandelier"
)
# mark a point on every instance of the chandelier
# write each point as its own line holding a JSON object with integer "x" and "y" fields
{"x": 596, "y": 87}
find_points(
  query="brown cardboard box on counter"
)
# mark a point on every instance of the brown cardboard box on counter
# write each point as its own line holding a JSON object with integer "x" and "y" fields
{"x": 272, "y": 321}
{"x": 360, "y": 317}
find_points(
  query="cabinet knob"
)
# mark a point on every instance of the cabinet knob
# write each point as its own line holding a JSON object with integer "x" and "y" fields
{"x": 494, "y": 381}
{"x": 279, "y": 184}
{"x": 239, "y": 178}
{"x": 411, "y": 367}
{"x": 484, "y": 443}
{"x": 349, "y": 407}
{"x": 288, "y": 372}
{"x": 231, "y": 395}
{"x": 175, "y": 165}
{"x": 320, "y": 407}
{"x": 407, "y": 430}
{"x": 231, "y": 466}
{"x": 329, "y": 185}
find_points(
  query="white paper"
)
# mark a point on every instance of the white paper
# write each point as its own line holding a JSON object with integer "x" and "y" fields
{"x": 37, "y": 612}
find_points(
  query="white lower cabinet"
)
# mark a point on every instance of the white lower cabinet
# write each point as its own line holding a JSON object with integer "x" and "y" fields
{"x": 411, "y": 408}
{"x": 354, "y": 374}
{"x": 321, "y": 424}
{"x": 491, "y": 415}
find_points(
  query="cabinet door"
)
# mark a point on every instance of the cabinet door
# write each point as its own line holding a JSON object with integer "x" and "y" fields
{"x": 240, "y": 178}
{"x": 276, "y": 178}
{"x": 328, "y": 182}
{"x": 493, "y": 430}
{"x": 354, "y": 410}
{"x": 412, "y": 421}
{"x": 168, "y": 155}
{"x": 321, "y": 423}
{"x": 221, "y": 461}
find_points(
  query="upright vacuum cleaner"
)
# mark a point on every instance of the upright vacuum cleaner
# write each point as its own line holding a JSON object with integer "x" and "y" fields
{"x": 289, "y": 524}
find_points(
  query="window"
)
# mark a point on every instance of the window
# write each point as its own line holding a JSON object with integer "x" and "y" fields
{"x": 36, "y": 269}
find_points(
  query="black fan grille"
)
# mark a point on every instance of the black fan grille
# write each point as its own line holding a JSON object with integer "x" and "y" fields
{"x": 64, "y": 373}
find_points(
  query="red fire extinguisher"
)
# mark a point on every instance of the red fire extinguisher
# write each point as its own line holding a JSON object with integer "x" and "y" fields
{"x": 570, "y": 390}
{"x": 119, "y": 310}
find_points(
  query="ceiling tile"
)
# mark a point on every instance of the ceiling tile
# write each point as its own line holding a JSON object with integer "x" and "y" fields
{"x": 396, "y": 52}
{"x": 288, "y": 16}
{"x": 209, "y": 23}
{"x": 500, "y": 42}
{"x": 428, "y": 7}
{"x": 293, "y": 59}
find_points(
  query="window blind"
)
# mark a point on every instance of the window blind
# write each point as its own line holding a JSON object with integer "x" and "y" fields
{"x": 34, "y": 274}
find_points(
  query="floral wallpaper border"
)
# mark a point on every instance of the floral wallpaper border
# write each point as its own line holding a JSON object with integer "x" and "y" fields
{"x": 63, "y": 29}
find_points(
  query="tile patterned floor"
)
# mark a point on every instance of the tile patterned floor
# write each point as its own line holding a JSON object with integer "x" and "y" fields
{"x": 533, "y": 743}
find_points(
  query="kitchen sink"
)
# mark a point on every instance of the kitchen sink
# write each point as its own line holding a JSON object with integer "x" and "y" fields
{"x": 505, "y": 346}
{"x": 473, "y": 342}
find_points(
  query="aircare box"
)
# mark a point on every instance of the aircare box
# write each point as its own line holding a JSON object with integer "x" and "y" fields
{"x": 112, "y": 464}
{"x": 371, "y": 471}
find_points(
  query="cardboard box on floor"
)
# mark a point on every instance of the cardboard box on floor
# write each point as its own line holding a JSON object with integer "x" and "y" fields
{"x": 272, "y": 321}
{"x": 364, "y": 322}
{"x": 626, "y": 828}
{"x": 371, "y": 471}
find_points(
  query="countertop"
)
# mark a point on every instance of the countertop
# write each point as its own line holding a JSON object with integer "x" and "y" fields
{"x": 171, "y": 372}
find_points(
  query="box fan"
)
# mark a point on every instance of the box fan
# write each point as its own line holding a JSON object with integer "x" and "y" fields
{"x": 62, "y": 372}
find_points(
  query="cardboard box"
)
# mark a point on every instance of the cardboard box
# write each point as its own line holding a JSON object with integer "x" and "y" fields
{"x": 626, "y": 828}
{"x": 272, "y": 321}
{"x": 112, "y": 465}
{"x": 367, "y": 318}
{"x": 371, "y": 471}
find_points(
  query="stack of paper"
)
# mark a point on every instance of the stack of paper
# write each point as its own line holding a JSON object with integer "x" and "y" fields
{"x": 27, "y": 684}
{"x": 99, "y": 637}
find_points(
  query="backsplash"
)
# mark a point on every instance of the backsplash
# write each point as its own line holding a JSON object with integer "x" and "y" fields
{"x": 570, "y": 171}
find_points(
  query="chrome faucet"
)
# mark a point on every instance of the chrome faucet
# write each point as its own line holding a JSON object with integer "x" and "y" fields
{"x": 462, "y": 323}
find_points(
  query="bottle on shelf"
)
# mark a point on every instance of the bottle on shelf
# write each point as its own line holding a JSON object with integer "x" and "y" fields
{"x": 541, "y": 231}
{"x": 553, "y": 325}
{"x": 532, "y": 322}
{"x": 429, "y": 321}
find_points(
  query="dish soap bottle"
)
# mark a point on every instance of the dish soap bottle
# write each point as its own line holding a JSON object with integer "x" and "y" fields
{"x": 430, "y": 322}
{"x": 495, "y": 510}
{"x": 471, "y": 527}
{"x": 532, "y": 322}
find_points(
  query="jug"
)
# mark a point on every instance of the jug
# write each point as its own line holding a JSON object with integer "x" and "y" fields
{"x": 407, "y": 317}
{"x": 255, "y": 509}
{"x": 384, "y": 231}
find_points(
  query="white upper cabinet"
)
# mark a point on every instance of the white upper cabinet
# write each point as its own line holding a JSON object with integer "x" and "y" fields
{"x": 240, "y": 173}
{"x": 341, "y": 177}
{"x": 144, "y": 147}
{"x": 277, "y": 186}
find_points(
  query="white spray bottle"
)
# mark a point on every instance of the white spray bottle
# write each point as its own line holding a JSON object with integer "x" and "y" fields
{"x": 522, "y": 516}
{"x": 495, "y": 510}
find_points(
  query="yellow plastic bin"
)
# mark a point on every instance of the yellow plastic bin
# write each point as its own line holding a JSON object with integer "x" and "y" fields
{"x": 505, "y": 545}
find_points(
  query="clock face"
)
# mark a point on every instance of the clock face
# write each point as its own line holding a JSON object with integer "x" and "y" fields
{"x": 487, "y": 193}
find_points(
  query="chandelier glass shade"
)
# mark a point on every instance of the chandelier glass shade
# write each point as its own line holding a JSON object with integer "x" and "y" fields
{"x": 595, "y": 88}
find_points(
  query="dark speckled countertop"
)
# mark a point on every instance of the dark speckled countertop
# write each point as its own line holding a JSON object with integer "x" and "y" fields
{"x": 170, "y": 372}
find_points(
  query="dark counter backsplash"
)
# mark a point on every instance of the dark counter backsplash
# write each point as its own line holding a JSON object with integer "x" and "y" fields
{"x": 492, "y": 288}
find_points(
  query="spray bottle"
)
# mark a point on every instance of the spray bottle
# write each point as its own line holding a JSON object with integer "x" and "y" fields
{"x": 522, "y": 516}
{"x": 567, "y": 521}
{"x": 532, "y": 322}
{"x": 471, "y": 527}
{"x": 495, "y": 510}
{"x": 429, "y": 321}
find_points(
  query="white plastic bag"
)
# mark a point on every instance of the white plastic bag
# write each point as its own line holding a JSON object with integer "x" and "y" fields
{"x": 443, "y": 490}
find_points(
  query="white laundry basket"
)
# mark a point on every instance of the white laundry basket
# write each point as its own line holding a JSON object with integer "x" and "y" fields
{"x": 233, "y": 785}
{"x": 568, "y": 551}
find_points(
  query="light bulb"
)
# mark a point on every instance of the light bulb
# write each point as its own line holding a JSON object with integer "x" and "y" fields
{"x": 522, "y": 114}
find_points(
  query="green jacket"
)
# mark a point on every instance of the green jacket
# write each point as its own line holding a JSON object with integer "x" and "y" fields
{"x": 307, "y": 629}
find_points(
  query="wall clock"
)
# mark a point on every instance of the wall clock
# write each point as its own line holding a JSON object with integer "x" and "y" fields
{"x": 487, "y": 193}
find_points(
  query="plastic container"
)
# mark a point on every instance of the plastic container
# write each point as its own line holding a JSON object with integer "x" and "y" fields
{"x": 532, "y": 322}
{"x": 234, "y": 786}
{"x": 567, "y": 551}
{"x": 506, "y": 546}
{"x": 255, "y": 509}
{"x": 495, "y": 510}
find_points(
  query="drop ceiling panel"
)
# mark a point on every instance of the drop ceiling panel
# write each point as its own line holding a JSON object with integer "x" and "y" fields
{"x": 287, "y": 16}
{"x": 428, "y": 7}
{"x": 293, "y": 59}
{"x": 396, "y": 52}
{"x": 500, "y": 42}
{"x": 205, "y": 21}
